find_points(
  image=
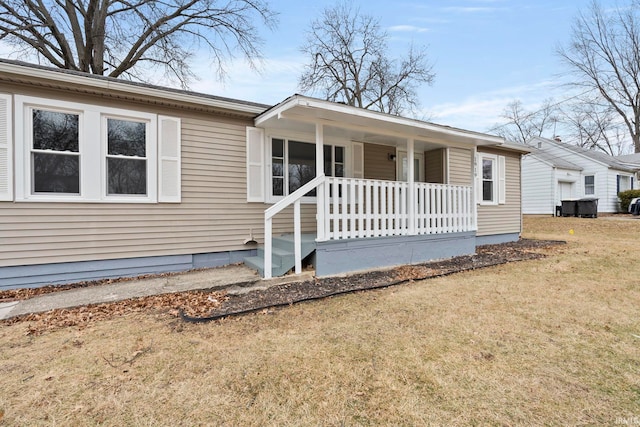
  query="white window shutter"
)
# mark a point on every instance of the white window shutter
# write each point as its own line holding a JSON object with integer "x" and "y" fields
{"x": 357, "y": 159}
{"x": 6, "y": 157}
{"x": 169, "y": 168}
{"x": 255, "y": 165}
{"x": 478, "y": 178}
{"x": 502, "y": 185}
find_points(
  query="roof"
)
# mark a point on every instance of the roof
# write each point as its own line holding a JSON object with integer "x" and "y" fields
{"x": 630, "y": 159}
{"x": 370, "y": 126}
{"x": 554, "y": 161}
{"x": 25, "y": 73}
{"x": 297, "y": 108}
{"x": 597, "y": 156}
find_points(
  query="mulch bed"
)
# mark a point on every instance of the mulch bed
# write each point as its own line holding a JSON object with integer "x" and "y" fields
{"x": 198, "y": 306}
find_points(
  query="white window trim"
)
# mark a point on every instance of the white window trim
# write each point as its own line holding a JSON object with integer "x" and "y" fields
{"x": 93, "y": 186}
{"x": 629, "y": 179}
{"x": 584, "y": 184}
{"x": 495, "y": 178}
{"x": 270, "y": 198}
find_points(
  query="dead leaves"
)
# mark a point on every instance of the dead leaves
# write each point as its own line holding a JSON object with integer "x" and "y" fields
{"x": 202, "y": 303}
{"x": 195, "y": 303}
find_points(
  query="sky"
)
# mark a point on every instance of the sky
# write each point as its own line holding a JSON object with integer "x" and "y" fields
{"x": 485, "y": 53}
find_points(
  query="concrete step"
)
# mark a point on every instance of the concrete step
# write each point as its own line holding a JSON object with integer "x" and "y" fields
{"x": 283, "y": 257}
{"x": 257, "y": 263}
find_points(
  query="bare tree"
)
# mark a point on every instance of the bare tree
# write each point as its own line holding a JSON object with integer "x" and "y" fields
{"x": 604, "y": 54}
{"x": 122, "y": 38}
{"x": 522, "y": 125}
{"x": 349, "y": 62}
{"x": 591, "y": 124}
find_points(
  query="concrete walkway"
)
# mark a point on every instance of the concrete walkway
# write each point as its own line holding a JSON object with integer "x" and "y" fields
{"x": 233, "y": 278}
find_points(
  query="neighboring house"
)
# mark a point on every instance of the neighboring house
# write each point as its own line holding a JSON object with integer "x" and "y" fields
{"x": 633, "y": 161}
{"x": 556, "y": 171}
{"x": 105, "y": 178}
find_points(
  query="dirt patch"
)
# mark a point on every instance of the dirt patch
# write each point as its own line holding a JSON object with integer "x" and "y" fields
{"x": 206, "y": 305}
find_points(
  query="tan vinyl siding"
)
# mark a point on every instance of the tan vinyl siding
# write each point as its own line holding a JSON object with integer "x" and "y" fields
{"x": 460, "y": 164}
{"x": 213, "y": 215}
{"x": 507, "y": 218}
{"x": 434, "y": 166}
{"x": 377, "y": 164}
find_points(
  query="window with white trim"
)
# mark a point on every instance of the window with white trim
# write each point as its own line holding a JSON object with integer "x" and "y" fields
{"x": 589, "y": 185}
{"x": 491, "y": 180}
{"x": 488, "y": 179}
{"x": 54, "y": 151}
{"x": 67, "y": 151}
{"x": 126, "y": 157}
{"x": 293, "y": 164}
{"x": 623, "y": 183}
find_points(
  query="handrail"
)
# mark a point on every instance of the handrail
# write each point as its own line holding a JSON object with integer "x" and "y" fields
{"x": 298, "y": 194}
{"x": 269, "y": 213}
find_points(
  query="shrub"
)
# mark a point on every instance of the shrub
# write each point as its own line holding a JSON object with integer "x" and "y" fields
{"x": 625, "y": 198}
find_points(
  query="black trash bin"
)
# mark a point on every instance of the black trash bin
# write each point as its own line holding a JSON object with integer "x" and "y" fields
{"x": 569, "y": 208}
{"x": 588, "y": 207}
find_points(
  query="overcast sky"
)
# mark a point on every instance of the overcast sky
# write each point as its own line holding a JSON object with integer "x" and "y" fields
{"x": 486, "y": 53}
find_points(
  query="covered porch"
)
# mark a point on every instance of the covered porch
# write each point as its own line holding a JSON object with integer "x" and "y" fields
{"x": 362, "y": 216}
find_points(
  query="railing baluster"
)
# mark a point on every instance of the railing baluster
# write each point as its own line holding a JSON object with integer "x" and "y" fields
{"x": 336, "y": 210}
{"x": 344, "y": 221}
{"x": 297, "y": 239}
{"x": 376, "y": 209}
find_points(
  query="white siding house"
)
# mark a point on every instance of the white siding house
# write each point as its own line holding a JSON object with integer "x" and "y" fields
{"x": 556, "y": 171}
{"x": 631, "y": 160}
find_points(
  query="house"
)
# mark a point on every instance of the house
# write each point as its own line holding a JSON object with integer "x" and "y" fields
{"x": 633, "y": 161}
{"x": 107, "y": 178}
{"x": 554, "y": 171}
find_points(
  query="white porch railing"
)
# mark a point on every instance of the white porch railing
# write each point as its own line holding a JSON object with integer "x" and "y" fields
{"x": 374, "y": 208}
{"x": 349, "y": 208}
{"x": 294, "y": 198}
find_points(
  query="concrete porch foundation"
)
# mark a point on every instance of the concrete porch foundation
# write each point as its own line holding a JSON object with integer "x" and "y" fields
{"x": 345, "y": 256}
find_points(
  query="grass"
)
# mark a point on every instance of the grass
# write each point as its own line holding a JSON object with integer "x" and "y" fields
{"x": 547, "y": 342}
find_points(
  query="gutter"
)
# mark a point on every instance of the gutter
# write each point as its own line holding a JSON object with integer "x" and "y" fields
{"x": 25, "y": 71}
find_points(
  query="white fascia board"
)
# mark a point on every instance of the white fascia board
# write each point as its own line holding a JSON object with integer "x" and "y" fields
{"x": 108, "y": 84}
{"x": 516, "y": 147}
{"x": 311, "y": 103}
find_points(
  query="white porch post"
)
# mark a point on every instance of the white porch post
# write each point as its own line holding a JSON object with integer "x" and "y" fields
{"x": 411, "y": 197}
{"x": 475, "y": 170}
{"x": 320, "y": 190}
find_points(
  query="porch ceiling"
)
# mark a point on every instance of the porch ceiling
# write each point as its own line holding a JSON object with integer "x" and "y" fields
{"x": 300, "y": 114}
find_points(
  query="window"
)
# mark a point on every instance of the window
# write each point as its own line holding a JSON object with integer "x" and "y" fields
{"x": 126, "y": 157}
{"x": 488, "y": 179}
{"x": 293, "y": 164}
{"x": 589, "y": 185}
{"x": 334, "y": 160}
{"x": 70, "y": 152}
{"x": 491, "y": 182}
{"x": 55, "y": 152}
{"x": 624, "y": 183}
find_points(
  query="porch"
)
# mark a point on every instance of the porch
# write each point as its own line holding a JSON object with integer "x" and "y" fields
{"x": 364, "y": 224}
{"x": 370, "y": 204}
